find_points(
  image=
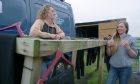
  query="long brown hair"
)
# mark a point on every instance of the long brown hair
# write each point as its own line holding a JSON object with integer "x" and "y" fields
{"x": 116, "y": 37}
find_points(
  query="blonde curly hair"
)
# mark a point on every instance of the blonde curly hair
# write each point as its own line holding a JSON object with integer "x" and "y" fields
{"x": 44, "y": 10}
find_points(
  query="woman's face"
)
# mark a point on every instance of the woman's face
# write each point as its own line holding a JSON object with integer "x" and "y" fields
{"x": 51, "y": 13}
{"x": 121, "y": 29}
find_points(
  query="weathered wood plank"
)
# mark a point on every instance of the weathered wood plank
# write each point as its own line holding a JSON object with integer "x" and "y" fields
{"x": 31, "y": 70}
{"x": 40, "y": 47}
{"x": 101, "y": 64}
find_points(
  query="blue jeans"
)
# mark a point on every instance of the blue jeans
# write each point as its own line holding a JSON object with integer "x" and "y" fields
{"x": 123, "y": 74}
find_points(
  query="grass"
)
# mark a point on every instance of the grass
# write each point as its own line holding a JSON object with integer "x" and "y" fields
{"x": 94, "y": 74}
{"x": 94, "y": 78}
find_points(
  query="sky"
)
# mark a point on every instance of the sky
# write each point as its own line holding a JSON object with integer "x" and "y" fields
{"x": 99, "y": 10}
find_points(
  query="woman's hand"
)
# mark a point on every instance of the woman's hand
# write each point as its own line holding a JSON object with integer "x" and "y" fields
{"x": 52, "y": 36}
{"x": 126, "y": 44}
{"x": 131, "y": 52}
{"x": 110, "y": 43}
{"x": 57, "y": 36}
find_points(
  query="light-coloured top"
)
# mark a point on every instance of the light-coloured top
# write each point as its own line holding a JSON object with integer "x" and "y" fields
{"x": 36, "y": 28}
{"x": 121, "y": 58}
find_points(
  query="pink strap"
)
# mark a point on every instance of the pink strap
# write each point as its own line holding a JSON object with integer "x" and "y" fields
{"x": 17, "y": 25}
{"x": 59, "y": 54}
